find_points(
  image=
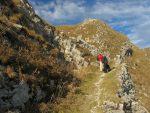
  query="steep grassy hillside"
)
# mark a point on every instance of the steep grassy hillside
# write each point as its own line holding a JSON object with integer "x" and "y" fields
{"x": 139, "y": 66}
{"x": 33, "y": 71}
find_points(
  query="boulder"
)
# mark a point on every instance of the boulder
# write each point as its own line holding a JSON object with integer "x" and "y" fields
{"x": 12, "y": 94}
{"x": 20, "y": 95}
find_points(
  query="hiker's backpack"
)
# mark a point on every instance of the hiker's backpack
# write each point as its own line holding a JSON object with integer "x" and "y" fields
{"x": 105, "y": 60}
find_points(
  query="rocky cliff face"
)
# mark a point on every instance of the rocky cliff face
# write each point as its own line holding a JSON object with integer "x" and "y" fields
{"x": 33, "y": 70}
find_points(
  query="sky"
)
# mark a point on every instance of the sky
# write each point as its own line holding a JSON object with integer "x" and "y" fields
{"x": 130, "y": 17}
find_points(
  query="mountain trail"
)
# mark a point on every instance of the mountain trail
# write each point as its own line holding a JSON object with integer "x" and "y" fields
{"x": 97, "y": 94}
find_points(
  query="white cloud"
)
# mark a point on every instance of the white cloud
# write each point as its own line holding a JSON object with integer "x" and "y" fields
{"x": 117, "y": 9}
{"x": 58, "y": 11}
{"x": 134, "y": 16}
{"x": 131, "y": 17}
{"x": 140, "y": 35}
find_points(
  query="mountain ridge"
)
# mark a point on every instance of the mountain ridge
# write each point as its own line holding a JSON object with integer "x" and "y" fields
{"x": 115, "y": 45}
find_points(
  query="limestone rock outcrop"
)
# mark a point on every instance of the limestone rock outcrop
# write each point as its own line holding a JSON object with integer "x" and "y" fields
{"x": 13, "y": 94}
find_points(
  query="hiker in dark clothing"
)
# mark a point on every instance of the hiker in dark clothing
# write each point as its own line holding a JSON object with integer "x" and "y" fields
{"x": 129, "y": 52}
{"x": 127, "y": 107}
{"x": 106, "y": 67}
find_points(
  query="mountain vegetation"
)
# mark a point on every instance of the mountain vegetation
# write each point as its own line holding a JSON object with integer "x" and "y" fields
{"x": 54, "y": 69}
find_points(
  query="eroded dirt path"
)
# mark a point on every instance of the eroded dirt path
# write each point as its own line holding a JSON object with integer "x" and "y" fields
{"x": 97, "y": 93}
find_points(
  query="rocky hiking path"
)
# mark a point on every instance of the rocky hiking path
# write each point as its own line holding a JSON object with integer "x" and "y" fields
{"x": 97, "y": 94}
{"x": 123, "y": 95}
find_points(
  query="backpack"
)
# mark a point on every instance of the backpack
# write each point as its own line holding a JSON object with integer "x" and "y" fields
{"x": 105, "y": 60}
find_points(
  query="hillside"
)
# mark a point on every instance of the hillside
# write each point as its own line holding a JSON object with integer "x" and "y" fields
{"x": 54, "y": 69}
{"x": 33, "y": 71}
{"x": 102, "y": 38}
{"x": 97, "y": 33}
{"x": 147, "y": 50}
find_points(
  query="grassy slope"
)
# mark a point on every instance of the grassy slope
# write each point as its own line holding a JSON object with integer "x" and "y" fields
{"x": 82, "y": 101}
{"x": 114, "y": 41}
{"x": 29, "y": 57}
{"x": 78, "y": 103}
{"x": 140, "y": 75}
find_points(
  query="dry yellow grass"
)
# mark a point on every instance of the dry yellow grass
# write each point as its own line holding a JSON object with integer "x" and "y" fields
{"x": 5, "y": 55}
{"x": 15, "y": 18}
{"x": 110, "y": 87}
{"x": 139, "y": 68}
{"x": 16, "y": 2}
{"x": 77, "y": 102}
{"x": 43, "y": 107}
{"x": 36, "y": 35}
{"x": 10, "y": 72}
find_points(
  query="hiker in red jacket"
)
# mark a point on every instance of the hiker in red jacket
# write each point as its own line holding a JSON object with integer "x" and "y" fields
{"x": 100, "y": 57}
